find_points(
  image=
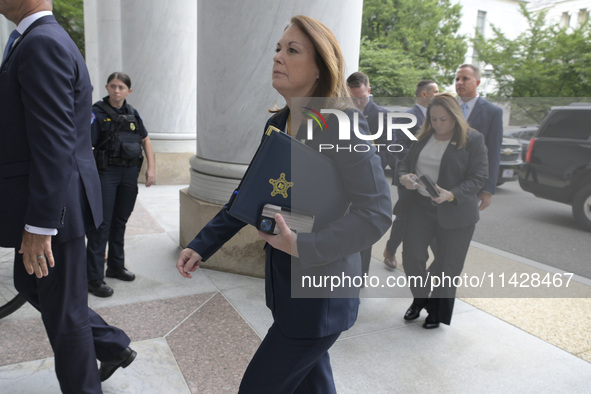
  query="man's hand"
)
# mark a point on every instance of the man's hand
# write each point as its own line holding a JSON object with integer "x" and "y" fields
{"x": 286, "y": 241}
{"x": 484, "y": 200}
{"x": 188, "y": 262}
{"x": 37, "y": 254}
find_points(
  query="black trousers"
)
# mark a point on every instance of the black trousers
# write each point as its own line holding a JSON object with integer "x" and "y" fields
{"x": 119, "y": 188}
{"x": 365, "y": 260}
{"x": 397, "y": 231}
{"x": 450, "y": 254}
{"x": 283, "y": 365}
{"x": 77, "y": 334}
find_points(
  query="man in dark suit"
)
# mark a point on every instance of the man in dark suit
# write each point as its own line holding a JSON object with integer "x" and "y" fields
{"x": 360, "y": 89}
{"x": 425, "y": 90}
{"x": 484, "y": 117}
{"x": 51, "y": 192}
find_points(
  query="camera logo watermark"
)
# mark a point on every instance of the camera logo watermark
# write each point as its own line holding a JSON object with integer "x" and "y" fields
{"x": 317, "y": 117}
{"x": 344, "y": 125}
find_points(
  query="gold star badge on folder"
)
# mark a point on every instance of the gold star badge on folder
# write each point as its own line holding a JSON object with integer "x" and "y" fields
{"x": 280, "y": 185}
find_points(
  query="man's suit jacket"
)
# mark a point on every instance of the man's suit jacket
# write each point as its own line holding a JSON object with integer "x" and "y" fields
{"x": 487, "y": 118}
{"x": 416, "y": 111}
{"x": 48, "y": 176}
{"x": 372, "y": 113}
{"x": 403, "y": 140}
{"x": 334, "y": 249}
{"x": 462, "y": 171}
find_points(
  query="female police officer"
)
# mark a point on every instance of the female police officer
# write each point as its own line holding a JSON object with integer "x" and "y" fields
{"x": 294, "y": 354}
{"x": 118, "y": 135}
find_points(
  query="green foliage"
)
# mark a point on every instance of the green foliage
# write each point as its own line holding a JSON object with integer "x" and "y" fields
{"x": 543, "y": 61}
{"x": 70, "y": 15}
{"x": 391, "y": 73}
{"x": 404, "y": 41}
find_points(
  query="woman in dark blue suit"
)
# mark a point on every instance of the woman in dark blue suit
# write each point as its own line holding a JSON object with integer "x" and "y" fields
{"x": 293, "y": 356}
{"x": 455, "y": 158}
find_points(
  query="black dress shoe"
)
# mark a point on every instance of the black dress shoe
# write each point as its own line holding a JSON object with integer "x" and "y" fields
{"x": 125, "y": 358}
{"x": 413, "y": 312}
{"x": 430, "y": 323}
{"x": 120, "y": 273}
{"x": 99, "y": 288}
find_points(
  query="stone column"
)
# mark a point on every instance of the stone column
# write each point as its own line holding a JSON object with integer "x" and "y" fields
{"x": 155, "y": 42}
{"x": 236, "y": 45}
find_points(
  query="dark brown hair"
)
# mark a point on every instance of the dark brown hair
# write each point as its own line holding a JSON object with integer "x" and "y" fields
{"x": 120, "y": 76}
{"x": 357, "y": 79}
{"x": 422, "y": 86}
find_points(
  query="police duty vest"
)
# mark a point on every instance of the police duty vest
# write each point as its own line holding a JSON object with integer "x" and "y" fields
{"x": 122, "y": 144}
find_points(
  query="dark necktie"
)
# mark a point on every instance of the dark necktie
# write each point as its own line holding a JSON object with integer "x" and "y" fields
{"x": 13, "y": 36}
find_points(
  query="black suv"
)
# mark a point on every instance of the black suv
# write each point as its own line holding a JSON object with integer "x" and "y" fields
{"x": 558, "y": 162}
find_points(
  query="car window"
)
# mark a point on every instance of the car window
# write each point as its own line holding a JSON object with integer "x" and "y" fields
{"x": 569, "y": 124}
{"x": 511, "y": 134}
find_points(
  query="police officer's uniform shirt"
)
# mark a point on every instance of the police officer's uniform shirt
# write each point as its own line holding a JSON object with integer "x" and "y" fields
{"x": 100, "y": 117}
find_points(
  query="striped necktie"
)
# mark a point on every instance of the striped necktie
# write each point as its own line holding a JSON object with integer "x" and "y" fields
{"x": 13, "y": 36}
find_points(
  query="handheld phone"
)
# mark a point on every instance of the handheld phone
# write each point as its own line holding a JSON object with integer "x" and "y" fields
{"x": 300, "y": 222}
{"x": 429, "y": 185}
